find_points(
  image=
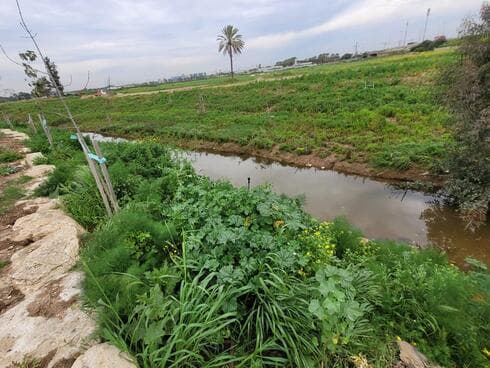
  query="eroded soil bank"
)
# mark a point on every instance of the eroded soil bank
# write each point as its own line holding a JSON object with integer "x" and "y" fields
{"x": 334, "y": 161}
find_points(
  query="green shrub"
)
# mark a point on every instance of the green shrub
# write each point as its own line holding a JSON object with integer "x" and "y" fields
{"x": 7, "y": 170}
{"x": 430, "y": 302}
{"x": 61, "y": 177}
{"x": 7, "y": 155}
{"x": 82, "y": 199}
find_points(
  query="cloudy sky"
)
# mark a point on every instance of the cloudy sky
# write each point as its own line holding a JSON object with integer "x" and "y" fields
{"x": 143, "y": 40}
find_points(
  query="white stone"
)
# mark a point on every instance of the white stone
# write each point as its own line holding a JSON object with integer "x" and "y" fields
{"x": 30, "y": 157}
{"x": 39, "y": 174}
{"x": 18, "y": 136}
{"x": 23, "y": 335}
{"x": 103, "y": 356}
{"x": 54, "y": 254}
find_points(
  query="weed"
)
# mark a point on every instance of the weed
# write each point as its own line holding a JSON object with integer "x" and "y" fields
{"x": 40, "y": 160}
{"x": 7, "y": 155}
{"x": 9, "y": 196}
{"x": 7, "y": 170}
{"x": 3, "y": 263}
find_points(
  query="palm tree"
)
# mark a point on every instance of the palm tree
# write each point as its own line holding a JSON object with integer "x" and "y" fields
{"x": 230, "y": 42}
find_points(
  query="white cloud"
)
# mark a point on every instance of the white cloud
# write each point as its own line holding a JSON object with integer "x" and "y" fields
{"x": 363, "y": 13}
{"x": 138, "y": 40}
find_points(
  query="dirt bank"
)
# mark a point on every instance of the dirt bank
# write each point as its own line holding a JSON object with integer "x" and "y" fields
{"x": 331, "y": 162}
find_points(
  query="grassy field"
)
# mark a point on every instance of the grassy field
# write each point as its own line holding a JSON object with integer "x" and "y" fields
{"x": 325, "y": 111}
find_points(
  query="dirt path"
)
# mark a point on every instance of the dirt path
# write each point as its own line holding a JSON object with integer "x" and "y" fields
{"x": 41, "y": 322}
{"x": 207, "y": 86}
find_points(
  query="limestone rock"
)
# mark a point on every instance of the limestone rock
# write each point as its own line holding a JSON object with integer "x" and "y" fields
{"x": 23, "y": 334}
{"x": 39, "y": 174}
{"x": 410, "y": 357}
{"x": 46, "y": 259}
{"x": 30, "y": 157}
{"x": 103, "y": 356}
{"x": 18, "y": 136}
{"x": 41, "y": 203}
{"x": 44, "y": 221}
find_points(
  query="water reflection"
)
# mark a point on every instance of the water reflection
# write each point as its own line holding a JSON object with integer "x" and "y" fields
{"x": 447, "y": 231}
{"x": 380, "y": 211}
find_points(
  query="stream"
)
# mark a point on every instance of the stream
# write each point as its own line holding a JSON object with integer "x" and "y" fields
{"x": 376, "y": 208}
{"x": 379, "y": 210}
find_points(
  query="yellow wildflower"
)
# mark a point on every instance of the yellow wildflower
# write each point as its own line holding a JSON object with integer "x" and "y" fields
{"x": 486, "y": 352}
{"x": 278, "y": 224}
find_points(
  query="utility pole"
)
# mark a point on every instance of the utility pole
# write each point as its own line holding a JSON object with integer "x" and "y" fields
{"x": 406, "y": 33}
{"x": 356, "y": 47}
{"x": 426, "y": 22}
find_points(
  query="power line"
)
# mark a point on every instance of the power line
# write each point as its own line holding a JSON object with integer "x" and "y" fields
{"x": 426, "y": 22}
{"x": 406, "y": 33}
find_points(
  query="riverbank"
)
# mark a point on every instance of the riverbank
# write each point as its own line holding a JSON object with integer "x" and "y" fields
{"x": 200, "y": 271}
{"x": 379, "y": 117}
{"x": 332, "y": 162}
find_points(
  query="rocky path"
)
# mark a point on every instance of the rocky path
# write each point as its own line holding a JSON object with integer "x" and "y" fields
{"x": 41, "y": 322}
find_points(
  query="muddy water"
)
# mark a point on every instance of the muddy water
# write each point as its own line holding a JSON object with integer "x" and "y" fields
{"x": 380, "y": 211}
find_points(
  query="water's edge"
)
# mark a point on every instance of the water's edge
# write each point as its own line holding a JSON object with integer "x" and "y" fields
{"x": 377, "y": 208}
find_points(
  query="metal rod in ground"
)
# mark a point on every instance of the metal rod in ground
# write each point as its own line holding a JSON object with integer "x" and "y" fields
{"x": 248, "y": 183}
{"x": 107, "y": 177}
{"x": 31, "y": 124}
{"x": 44, "y": 125}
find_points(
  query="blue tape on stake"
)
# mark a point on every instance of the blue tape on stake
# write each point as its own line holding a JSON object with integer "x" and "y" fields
{"x": 100, "y": 160}
{"x": 74, "y": 137}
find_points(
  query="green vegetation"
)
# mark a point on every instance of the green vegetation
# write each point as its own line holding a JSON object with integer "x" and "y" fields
{"x": 7, "y": 170}
{"x": 467, "y": 95}
{"x": 381, "y": 111}
{"x": 198, "y": 273}
{"x": 209, "y": 82}
{"x": 3, "y": 264}
{"x": 10, "y": 194}
{"x": 7, "y": 155}
{"x": 230, "y": 43}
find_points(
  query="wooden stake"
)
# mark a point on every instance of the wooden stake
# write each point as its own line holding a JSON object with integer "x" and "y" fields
{"x": 98, "y": 181}
{"x": 31, "y": 124}
{"x": 106, "y": 176}
{"x": 45, "y": 127}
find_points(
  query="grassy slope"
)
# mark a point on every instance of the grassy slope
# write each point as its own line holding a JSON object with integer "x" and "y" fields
{"x": 397, "y": 124}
